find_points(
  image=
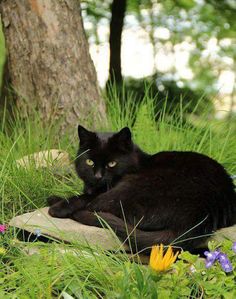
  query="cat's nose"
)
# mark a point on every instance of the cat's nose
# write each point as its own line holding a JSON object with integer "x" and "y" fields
{"x": 98, "y": 175}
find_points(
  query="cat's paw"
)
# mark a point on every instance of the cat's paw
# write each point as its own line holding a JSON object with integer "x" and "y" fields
{"x": 60, "y": 210}
{"x": 51, "y": 200}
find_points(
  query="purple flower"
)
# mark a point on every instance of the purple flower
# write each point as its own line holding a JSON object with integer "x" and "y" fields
{"x": 227, "y": 266}
{"x": 3, "y": 227}
{"x": 208, "y": 263}
{"x": 234, "y": 247}
{"x": 225, "y": 263}
{"x": 222, "y": 258}
{"x": 211, "y": 256}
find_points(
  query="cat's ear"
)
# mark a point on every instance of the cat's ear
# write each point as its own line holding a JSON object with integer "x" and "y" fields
{"x": 86, "y": 137}
{"x": 123, "y": 139}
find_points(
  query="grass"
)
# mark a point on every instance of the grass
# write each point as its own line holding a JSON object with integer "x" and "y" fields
{"x": 85, "y": 271}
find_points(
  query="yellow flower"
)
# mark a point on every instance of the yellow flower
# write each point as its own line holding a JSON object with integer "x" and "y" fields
{"x": 160, "y": 262}
{"x": 2, "y": 251}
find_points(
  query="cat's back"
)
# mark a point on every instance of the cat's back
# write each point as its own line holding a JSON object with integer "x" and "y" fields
{"x": 188, "y": 164}
{"x": 186, "y": 172}
{"x": 186, "y": 183}
{"x": 183, "y": 159}
{"x": 189, "y": 168}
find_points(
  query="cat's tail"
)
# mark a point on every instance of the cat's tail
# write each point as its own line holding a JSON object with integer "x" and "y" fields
{"x": 138, "y": 240}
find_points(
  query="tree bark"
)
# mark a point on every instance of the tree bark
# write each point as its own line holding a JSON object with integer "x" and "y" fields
{"x": 49, "y": 65}
{"x": 118, "y": 9}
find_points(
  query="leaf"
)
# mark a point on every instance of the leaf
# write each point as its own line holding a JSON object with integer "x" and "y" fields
{"x": 139, "y": 278}
{"x": 188, "y": 257}
{"x": 163, "y": 293}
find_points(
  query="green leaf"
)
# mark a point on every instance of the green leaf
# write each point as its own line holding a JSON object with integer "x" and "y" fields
{"x": 163, "y": 293}
{"x": 188, "y": 257}
{"x": 139, "y": 278}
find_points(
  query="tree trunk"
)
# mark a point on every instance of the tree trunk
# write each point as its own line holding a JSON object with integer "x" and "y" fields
{"x": 49, "y": 65}
{"x": 118, "y": 9}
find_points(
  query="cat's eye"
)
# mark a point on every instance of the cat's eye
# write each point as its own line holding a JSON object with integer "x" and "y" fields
{"x": 89, "y": 162}
{"x": 112, "y": 164}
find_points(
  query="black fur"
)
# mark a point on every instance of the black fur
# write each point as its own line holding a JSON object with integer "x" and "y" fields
{"x": 163, "y": 195}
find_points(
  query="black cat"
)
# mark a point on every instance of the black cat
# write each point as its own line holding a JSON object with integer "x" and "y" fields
{"x": 168, "y": 197}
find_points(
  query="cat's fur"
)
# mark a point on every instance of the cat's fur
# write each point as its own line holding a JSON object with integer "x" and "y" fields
{"x": 168, "y": 197}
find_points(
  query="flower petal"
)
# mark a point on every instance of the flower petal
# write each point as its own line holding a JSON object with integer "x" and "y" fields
{"x": 167, "y": 257}
{"x": 227, "y": 266}
{"x": 169, "y": 253}
{"x": 154, "y": 252}
{"x": 222, "y": 257}
{"x": 208, "y": 263}
{"x": 173, "y": 259}
{"x": 211, "y": 255}
{"x": 161, "y": 251}
{"x": 3, "y": 228}
{"x": 154, "y": 257}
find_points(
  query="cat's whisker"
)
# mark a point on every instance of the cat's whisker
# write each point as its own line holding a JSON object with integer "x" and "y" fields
{"x": 83, "y": 153}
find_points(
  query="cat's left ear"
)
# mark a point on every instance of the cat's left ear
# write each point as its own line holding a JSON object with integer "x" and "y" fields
{"x": 123, "y": 139}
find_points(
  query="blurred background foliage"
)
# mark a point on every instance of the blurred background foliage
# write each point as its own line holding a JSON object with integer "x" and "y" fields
{"x": 203, "y": 30}
{"x": 190, "y": 50}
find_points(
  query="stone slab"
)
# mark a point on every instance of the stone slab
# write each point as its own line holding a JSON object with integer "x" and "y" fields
{"x": 47, "y": 158}
{"x": 65, "y": 229}
{"x": 224, "y": 233}
{"x": 58, "y": 161}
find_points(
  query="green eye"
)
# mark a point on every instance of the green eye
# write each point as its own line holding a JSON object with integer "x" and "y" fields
{"x": 112, "y": 164}
{"x": 89, "y": 162}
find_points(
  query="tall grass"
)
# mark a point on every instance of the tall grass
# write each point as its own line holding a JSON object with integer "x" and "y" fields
{"x": 84, "y": 271}
{"x": 176, "y": 131}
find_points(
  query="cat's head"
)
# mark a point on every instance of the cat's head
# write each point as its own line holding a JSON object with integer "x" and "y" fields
{"x": 104, "y": 158}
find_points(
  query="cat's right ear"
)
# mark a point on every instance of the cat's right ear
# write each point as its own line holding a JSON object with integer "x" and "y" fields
{"x": 86, "y": 138}
{"x": 122, "y": 140}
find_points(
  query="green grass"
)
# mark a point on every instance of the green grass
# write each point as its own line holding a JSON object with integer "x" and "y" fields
{"x": 84, "y": 271}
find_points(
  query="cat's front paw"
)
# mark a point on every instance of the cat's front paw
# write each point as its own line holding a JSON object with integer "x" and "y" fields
{"x": 60, "y": 210}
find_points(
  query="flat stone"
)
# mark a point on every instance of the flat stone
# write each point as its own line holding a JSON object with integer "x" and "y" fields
{"x": 47, "y": 158}
{"x": 57, "y": 160}
{"x": 65, "y": 229}
{"x": 224, "y": 233}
